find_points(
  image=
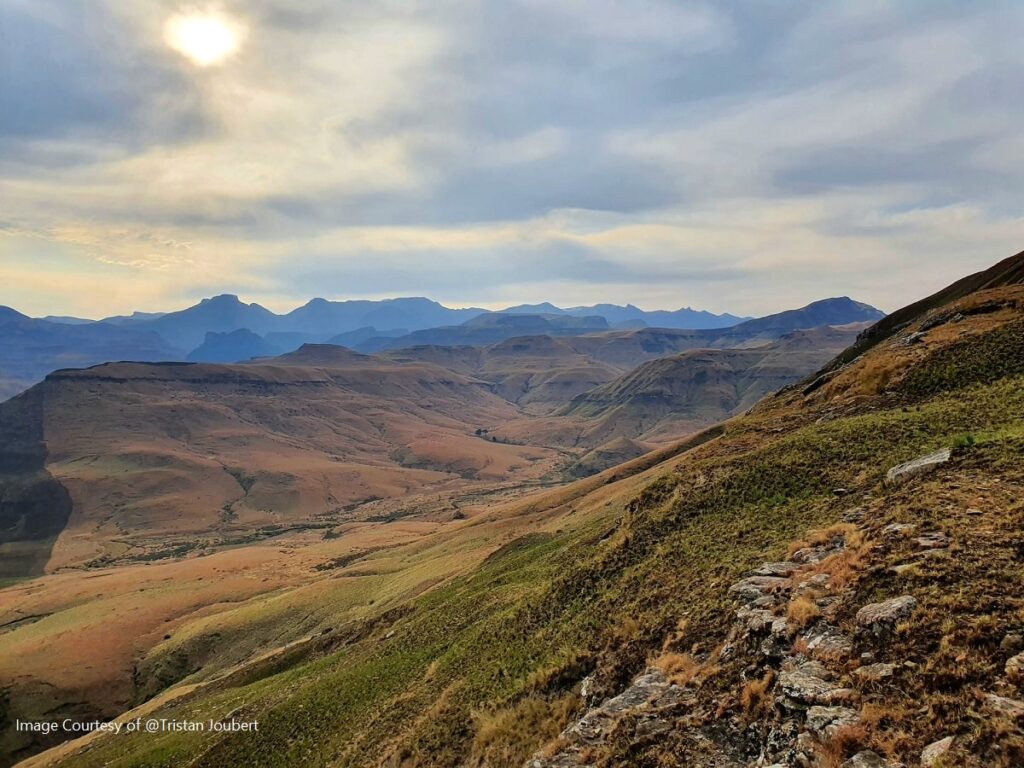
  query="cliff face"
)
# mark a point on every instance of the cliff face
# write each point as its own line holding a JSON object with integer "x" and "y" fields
{"x": 34, "y": 507}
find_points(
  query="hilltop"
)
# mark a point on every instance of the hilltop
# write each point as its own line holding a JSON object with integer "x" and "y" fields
{"x": 683, "y": 392}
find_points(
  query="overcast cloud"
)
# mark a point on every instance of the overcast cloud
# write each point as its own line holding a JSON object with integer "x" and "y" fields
{"x": 733, "y": 156}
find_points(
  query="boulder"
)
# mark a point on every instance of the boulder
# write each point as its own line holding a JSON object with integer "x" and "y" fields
{"x": 881, "y": 618}
{"x": 828, "y": 642}
{"x": 754, "y": 587}
{"x": 874, "y": 673}
{"x": 1015, "y": 668}
{"x": 804, "y": 687}
{"x": 784, "y": 568}
{"x": 1012, "y": 642}
{"x": 934, "y": 540}
{"x": 595, "y": 725}
{"x": 935, "y": 751}
{"x": 919, "y": 466}
{"x": 894, "y": 530}
{"x": 825, "y": 721}
{"x": 754, "y": 620}
{"x": 866, "y": 759}
{"x": 1010, "y": 708}
{"x": 813, "y": 555}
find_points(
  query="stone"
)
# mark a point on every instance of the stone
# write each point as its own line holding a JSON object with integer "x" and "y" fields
{"x": 874, "y": 673}
{"x": 919, "y": 466}
{"x": 594, "y": 726}
{"x": 805, "y": 748}
{"x": 754, "y": 587}
{"x": 825, "y": 721}
{"x": 817, "y": 581}
{"x": 754, "y": 620}
{"x": 805, "y": 687}
{"x": 1012, "y": 642}
{"x": 586, "y": 687}
{"x": 881, "y": 618}
{"x": 902, "y": 568}
{"x": 778, "y": 744}
{"x": 1015, "y": 668}
{"x": 842, "y": 696}
{"x": 784, "y": 568}
{"x": 934, "y": 752}
{"x": 813, "y": 555}
{"x": 652, "y": 727}
{"x": 1009, "y": 707}
{"x": 815, "y": 668}
{"x": 894, "y": 530}
{"x": 854, "y": 515}
{"x": 866, "y": 759}
{"x": 828, "y": 642}
{"x": 933, "y": 540}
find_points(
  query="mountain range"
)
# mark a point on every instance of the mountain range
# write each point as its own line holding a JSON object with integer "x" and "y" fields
{"x": 225, "y": 329}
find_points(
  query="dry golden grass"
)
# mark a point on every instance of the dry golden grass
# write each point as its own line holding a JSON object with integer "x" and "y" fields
{"x": 679, "y": 668}
{"x": 676, "y": 636}
{"x": 755, "y": 697}
{"x": 509, "y": 736}
{"x": 801, "y": 611}
{"x": 846, "y": 740}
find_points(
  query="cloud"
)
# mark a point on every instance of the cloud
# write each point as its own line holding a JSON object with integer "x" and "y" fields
{"x": 739, "y": 156}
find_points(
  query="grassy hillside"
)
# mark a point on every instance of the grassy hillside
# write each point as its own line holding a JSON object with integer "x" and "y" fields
{"x": 605, "y": 577}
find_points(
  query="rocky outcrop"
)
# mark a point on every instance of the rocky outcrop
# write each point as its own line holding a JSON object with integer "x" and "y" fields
{"x": 649, "y": 696}
{"x": 919, "y": 466}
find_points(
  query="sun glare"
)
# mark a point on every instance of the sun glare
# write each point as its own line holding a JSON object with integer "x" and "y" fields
{"x": 204, "y": 38}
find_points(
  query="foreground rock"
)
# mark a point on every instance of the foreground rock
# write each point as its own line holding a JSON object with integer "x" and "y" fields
{"x": 882, "y": 618}
{"x": 935, "y": 751}
{"x": 911, "y": 469}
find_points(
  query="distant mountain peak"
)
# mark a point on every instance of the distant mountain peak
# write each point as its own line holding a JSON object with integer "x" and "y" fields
{"x": 7, "y": 313}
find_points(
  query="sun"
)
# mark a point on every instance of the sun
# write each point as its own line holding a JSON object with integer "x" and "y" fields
{"x": 204, "y": 38}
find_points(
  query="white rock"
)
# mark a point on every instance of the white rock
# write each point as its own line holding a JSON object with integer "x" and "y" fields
{"x": 880, "y": 617}
{"x": 931, "y": 754}
{"x": 919, "y": 466}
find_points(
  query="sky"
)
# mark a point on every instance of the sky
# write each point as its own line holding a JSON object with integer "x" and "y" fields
{"x": 732, "y": 156}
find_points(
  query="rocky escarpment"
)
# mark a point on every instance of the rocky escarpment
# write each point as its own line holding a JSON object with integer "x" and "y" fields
{"x": 818, "y": 665}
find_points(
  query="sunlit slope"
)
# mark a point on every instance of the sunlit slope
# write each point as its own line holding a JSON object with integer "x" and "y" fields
{"x": 164, "y": 458}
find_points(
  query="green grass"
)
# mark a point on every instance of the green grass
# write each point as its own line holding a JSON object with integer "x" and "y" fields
{"x": 978, "y": 359}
